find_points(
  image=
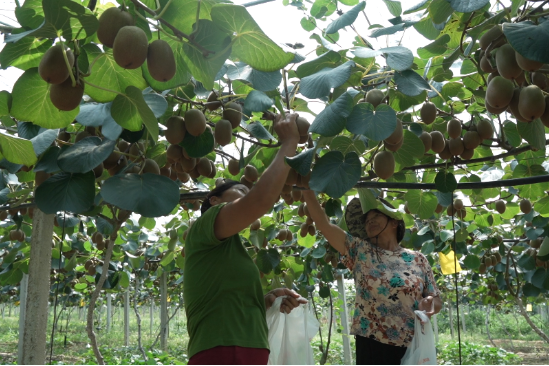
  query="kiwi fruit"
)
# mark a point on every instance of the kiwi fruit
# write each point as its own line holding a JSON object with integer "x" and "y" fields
{"x": 397, "y": 135}
{"x": 151, "y": 166}
{"x": 300, "y": 210}
{"x": 303, "y": 139}
{"x": 311, "y": 230}
{"x": 526, "y": 64}
{"x": 233, "y": 113}
{"x": 456, "y": 146}
{"x": 374, "y": 97}
{"x": 130, "y": 47}
{"x": 302, "y": 126}
{"x": 525, "y": 206}
{"x": 250, "y": 173}
{"x": 471, "y": 140}
{"x": 64, "y": 136}
{"x": 309, "y": 220}
{"x": 123, "y": 145}
{"x": 165, "y": 171}
{"x": 428, "y": 113}
{"x": 81, "y": 135}
{"x": 484, "y": 129}
{"x": 437, "y": 141}
{"x": 160, "y": 61}
{"x": 183, "y": 177}
{"x": 507, "y": 63}
{"x": 499, "y": 92}
{"x": 174, "y": 152}
{"x": 213, "y": 102}
{"x": 427, "y": 140}
{"x": 53, "y": 68}
{"x": 118, "y": 166}
{"x": 195, "y": 122}
{"x": 454, "y": 128}
{"x": 65, "y": 97}
{"x": 450, "y": 211}
{"x": 296, "y": 194}
{"x": 223, "y": 132}
{"x": 458, "y": 204}
{"x": 110, "y": 22}
{"x": 234, "y": 166}
{"x": 482, "y": 268}
{"x": 439, "y": 208}
{"x": 188, "y": 165}
{"x": 384, "y": 164}
{"x": 486, "y": 65}
{"x": 535, "y": 243}
{"x": 539, "y": 79}
{"x": 303, "y": 230}
{"x": 204, "y": 167}
{"x": 445, "y": 153}
{"x": 248, "y": 184}
{"x": 136, "y": 151}
{"x": 291, "y": 179}
{"x": 467, "y": 154}
{"x": 513, "y": 106}
{"x": 98, "y": 170}
{"x": 495, "y": 110}
{"x": 500, "y": 206}
{"x": 531, "y": 103}
{"x": 393, "y": 147}
{"x": 490, "y": 36}
{"x": 175, "y": 130}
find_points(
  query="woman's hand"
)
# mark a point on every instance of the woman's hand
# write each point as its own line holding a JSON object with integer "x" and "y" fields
{"x": 292, "y": 300}
{"x": 286, "y": 128}
{"x": 427, "y": 304}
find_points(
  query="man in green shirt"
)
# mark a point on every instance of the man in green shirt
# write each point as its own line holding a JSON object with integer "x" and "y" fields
{"x": 224, "y": 301}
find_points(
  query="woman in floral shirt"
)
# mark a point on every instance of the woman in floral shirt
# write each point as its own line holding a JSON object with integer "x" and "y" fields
{"x": 391, "y": 282}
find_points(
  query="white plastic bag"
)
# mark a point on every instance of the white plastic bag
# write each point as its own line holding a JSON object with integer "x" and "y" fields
{"x": 422, "y": 350}
{"x": 290, "y": 335}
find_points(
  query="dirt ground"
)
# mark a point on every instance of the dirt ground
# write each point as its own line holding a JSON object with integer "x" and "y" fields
{"x": 532, "y": 352}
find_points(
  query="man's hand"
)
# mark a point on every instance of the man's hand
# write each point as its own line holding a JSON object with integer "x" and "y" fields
{"x": 292, "y": 300}
{"x": 286, "y": 128}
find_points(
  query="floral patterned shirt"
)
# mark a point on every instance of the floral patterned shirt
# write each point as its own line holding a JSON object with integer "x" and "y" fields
{"x": 389, "y": 286}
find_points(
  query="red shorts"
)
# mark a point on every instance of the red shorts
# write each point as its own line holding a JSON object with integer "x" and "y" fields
{"x": 231, "y": 355}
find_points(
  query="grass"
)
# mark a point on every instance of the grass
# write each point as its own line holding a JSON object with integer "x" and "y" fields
{"x": 71, "y": 344}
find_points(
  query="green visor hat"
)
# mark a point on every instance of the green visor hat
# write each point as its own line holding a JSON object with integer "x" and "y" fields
{"x": 357, "y": 209}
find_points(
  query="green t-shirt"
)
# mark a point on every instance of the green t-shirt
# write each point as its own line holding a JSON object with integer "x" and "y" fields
{"x": 224, "y": 300}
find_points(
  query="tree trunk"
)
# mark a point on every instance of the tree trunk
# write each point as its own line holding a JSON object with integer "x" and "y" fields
{"x": 530, "y": 322}
{"x": 22, "y": 306}
{"x": 36, "y": 311}
{"x": 127, "y": 318}
{"x": 347, "y": 357}
{"x": 163, "y": 312}
{"x": 451, "y": 316}
{"x": 109, "y": 312}
{"x": 487, "y": 323}
{"x": 463, "y": 321}
{"x": 435, "y": 324}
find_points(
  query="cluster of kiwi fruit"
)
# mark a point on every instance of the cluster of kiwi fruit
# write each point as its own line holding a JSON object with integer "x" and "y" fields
{"x": 285, "y": 235}
{"x": 290, "y": 191}
{"x": 18, "y": 235}
{"x": 492, "y": 296}
{"x": 489, "y": 260}
{"x": 515, "y": 83}
{"x": 90, "y": 266}
{"x": 308, "y": 226}
{"x": 456, "y": 209}
{"x": 131, "y": 47}
{"x": 331, "y": 258}
{"x": 16, "y": 211}
{"x": 100, "y": 243}
{"x": 54, "y": 70}
{"x": 533, "y": 252}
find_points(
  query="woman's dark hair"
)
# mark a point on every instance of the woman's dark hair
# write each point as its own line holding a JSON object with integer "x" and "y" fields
{"x": 401, "y": 228}
{"x": 217, "y": 192}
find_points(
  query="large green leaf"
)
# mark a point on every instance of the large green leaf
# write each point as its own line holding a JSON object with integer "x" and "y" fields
{"x": 182, "y": 13}
{"x": 421, "y": 203}
{"x": 467, "y": 6}
{"x": 31, "y": 102}
{"x": 394, "y": 7}
{"x": 346, "y": 19}
{"x": 440, "y": 10}
{"x": 302, "y": 162}
{"x": 410, "y": 83}
{"x": 542, "y": 206}
{"x": 5, "y": 103}
{"x": 412, "y": 148}
{"x": 319, "y": 84}
{"x": 131, "y": 111}
{"x": 346, "y": 145}
{"x": 331, "y": 120}
{"x": 149, "y": 195}
{"x": 198, "y": 146}
{"x": 335, "y": 173}
{"x": 378, "y": 32}
{"x": 435, "y": 48}
{"x": 260, "y": 80}
{"x": 72, "y": 192}
{"x": 533, "y": 132}
{"x": 471, "y": 261}
{"x": 212, "y": 38}
{"x": 540, "y": 279}
{"x": 85, "y": 155}
{"x": 258, "y": 131}
{"x": 250, "y": 44}
{"x": 107, "y": 74}
{"x": 257, "y": 101}
{"x": 30, "y": 14}
{"x": 329, "y": 59}
{"x": 375, "y": 123}
{"x": 24, "y": 54}
{"x": 445, "y": 181}
{"x": 17, "y": 150}
{"x": 398, "y": 57}
{"x": 267, "y": 260}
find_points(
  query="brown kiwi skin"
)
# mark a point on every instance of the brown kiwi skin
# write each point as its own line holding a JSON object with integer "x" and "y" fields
{"x": 161, "y": 61}
{"x": 233, "y": 113}
{"x": 195, "y": 122}
{"x": 53, "y": 68}
{"x": 110, "y": 22}
{"x": 176, "y": 130}
{"x": 384, "y": 164}
{"x": 130, "y": 47}
{"x": 428, "y": 113}
{"x": 65, "y": 97}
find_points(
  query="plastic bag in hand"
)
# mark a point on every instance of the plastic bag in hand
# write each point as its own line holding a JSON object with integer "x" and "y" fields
{"x": 422, "y": 350}
{"x": 290, "y": 335}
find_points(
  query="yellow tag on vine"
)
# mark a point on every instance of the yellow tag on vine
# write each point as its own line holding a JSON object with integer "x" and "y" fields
{"x": 448, "y": 265}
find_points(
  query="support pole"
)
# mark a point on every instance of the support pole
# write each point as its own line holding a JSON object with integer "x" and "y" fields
{"x": 151, "y": 317}
{"x": 347, "y": 357}
{"x": 36, "y": 311}
{"x": 435, "y": 324}
{"x": 163, "y": 312}
{"x": 22, "y": 307}
{"x": 127, "y": 318}
{"x": 109, "y": 312}
{"x": 451, "y": 317}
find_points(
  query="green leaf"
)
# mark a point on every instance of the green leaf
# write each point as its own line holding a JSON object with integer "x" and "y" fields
{"x": 130, "y": 110}
{"x": 440, "y": 10}
{"x": 387, "y": 31}
{"x": 335, "y": 173}
{"x": 529, "y": 39}
{"x": 198, "y": 146}
{"x": 182, "y": 13}
{"x": 540, "y": 279}
{"x": 346, "y": 145}
{"x": 411, "y": 148}
{"x": 530, "y": 290}
{"x": 467, "y": 6}
{"x": 426, "y": 28}
{"x": 31, "y": 14}
{"x": 124, "y": 281}
{"x": 417, "y": 7}
{"x": 85, "y": 155}
{"x": 107, "y": 74}
{"x": 421, "y": 203}
{"x": 17, "y": 150}
{"x": 445, "y": 181}
{"x": 307, "y": 242}
{"x": 31, "y": 102}
{"x": 375, "y": 123}
{"x": 394, "y": 7}
{"x": 331, "y": 120}
{"x": 329, "y": 59}
{"x": 259, "y": 131}
{"x": 250, "y": 44}
{"x": 5, "y": 103}
{"x": 542, "y": 206}
{"x": 319, "y": 84}
{"x": 25, "y": 54}
{"x": 318, "y": 252}
{"x": 212, "y": 38}
{"x": 511, "y": 133}
{"x": 471, "y": 261}
{"x": 149, "y": 195}
{"x": 302, "y": 162}
{"x": 410, "y": 83}
{"x": 267, "y": 260}
{"x": 346, "y": 19}
{"x": 533, "y": 132}
{"x": 308, "y": 23}
{"x": 436, "y": 48}
{"x": 257, "y": 101}
{"x": 324, "y": 292}
{"x": 72, "y": 192}
{"x": 260, "y": 80}
{"x": 398, "y": 58}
